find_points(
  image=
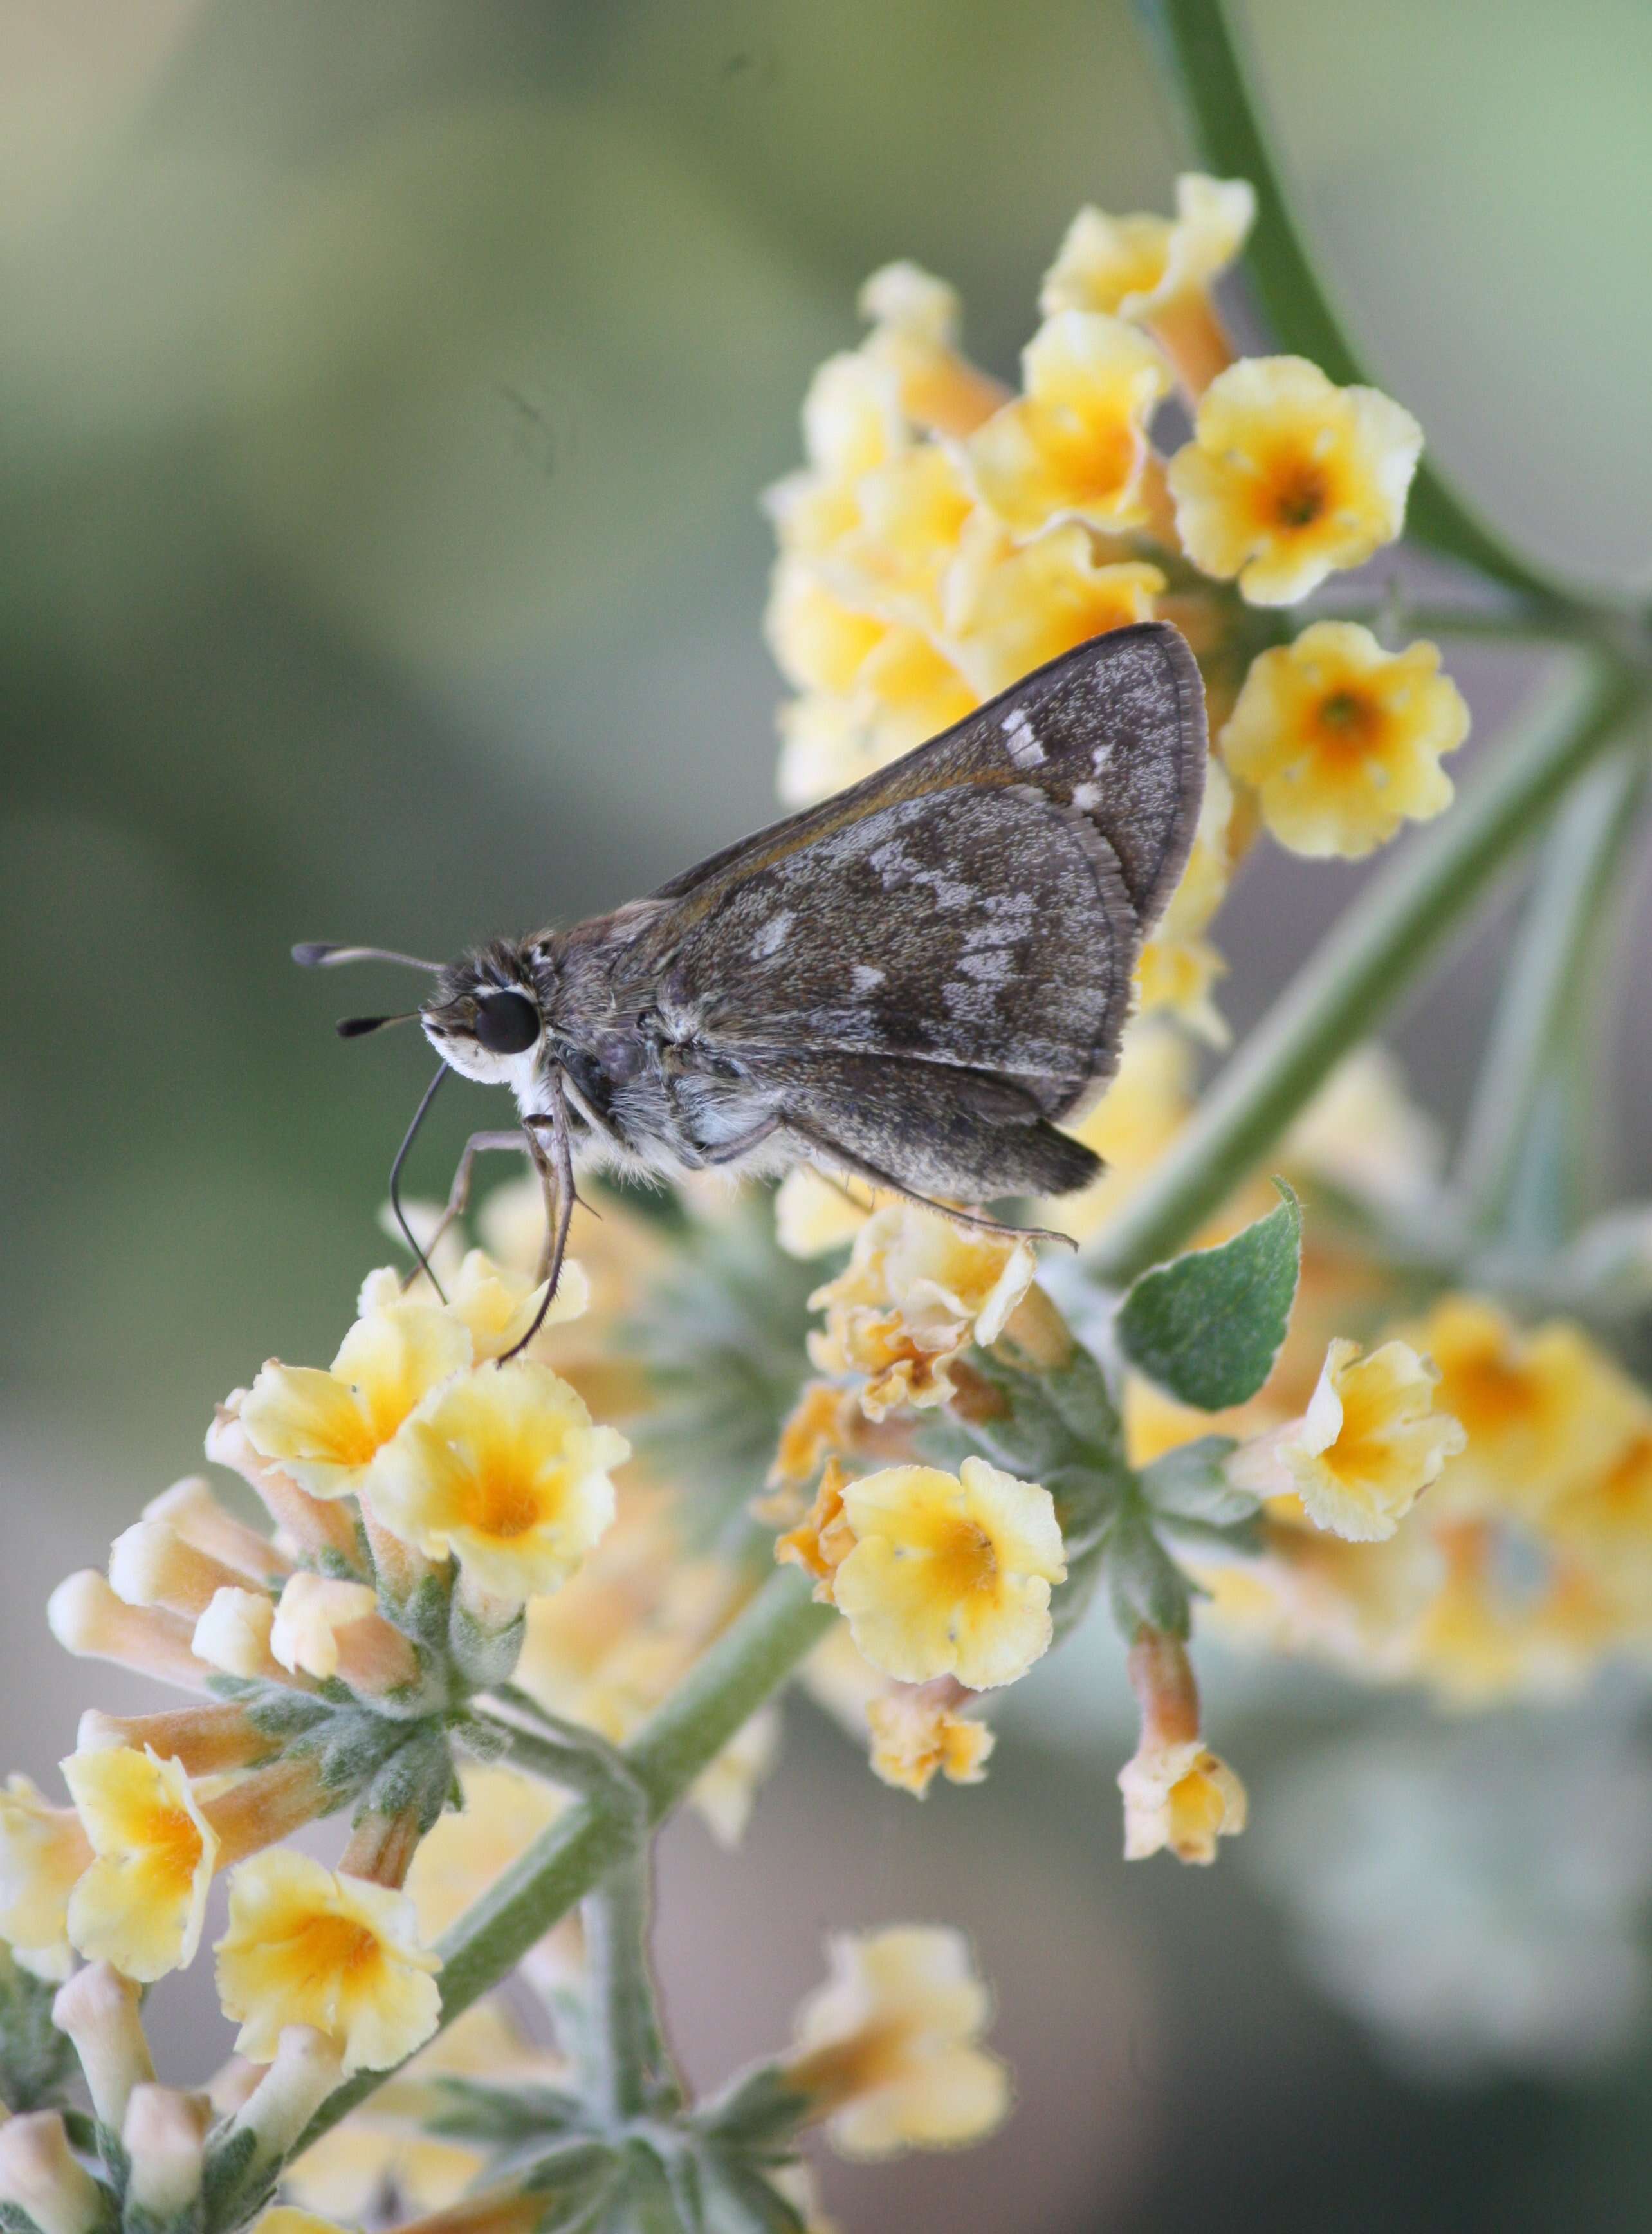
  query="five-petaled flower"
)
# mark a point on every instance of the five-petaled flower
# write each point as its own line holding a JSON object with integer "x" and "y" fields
{"x": 506, "y": 1470}
{"x": 1288, "y": 477}
{"x": 887, "y": 2051}
{"x": 1369, "y": 1445}
{"x": 307, "y": 1946}
{"x": 141, "y": 1901}
{"x": 1342, "y": 740}
{"x": 948, "y": 1574}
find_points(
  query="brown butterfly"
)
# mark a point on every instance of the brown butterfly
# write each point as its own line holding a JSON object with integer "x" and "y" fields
{"x": 910, "y": 984}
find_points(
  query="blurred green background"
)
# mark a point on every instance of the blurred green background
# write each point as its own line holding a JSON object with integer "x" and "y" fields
{"x": 385, "y": 392}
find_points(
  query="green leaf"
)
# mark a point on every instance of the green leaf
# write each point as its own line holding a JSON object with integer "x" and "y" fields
{"x": 1202, "y": 58}
{"x": 1192, "y": 1484}
{"x": 1207, "y": 1327}
{"x": 1148, "y": 1590}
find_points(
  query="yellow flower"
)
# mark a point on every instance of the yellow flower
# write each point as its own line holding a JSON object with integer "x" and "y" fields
{"x": 141, "y": 1903}
{"x": 1180, "y": 1796}
{"x": 1075, "y": 446}
{"x": 950, "y": 1574}
{"x": 915, "y": 338}
{"x": 324, "y": 1430}
{"x": 1369, "y": 1445}
{"x": 504, "y": 1470}
{"x": 893, "y": 562}
{"x": 1010, "y": 606}
{"x": 888, "y": 2049}
{"x": 812, "y": 1216}
{"x": 1288, "y": 477}
{"x": 285, "y": 2218}
{"x": 1342, "y": 740}
{"x": 1606, "y": 1521}
{"x": 918, "y": 1734}
{"x": 1544, "y": 1411}
{"x": 494, "y": 1303}
{"x": 1136, "y": 267}
{"x": 916, "y": 1290}
{"x": 307, "y": 1947}
{"x": 43, "y": 1851}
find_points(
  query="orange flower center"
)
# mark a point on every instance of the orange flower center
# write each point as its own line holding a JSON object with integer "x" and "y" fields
{"x": 1350, "y": 722}
{"x": 329, "y": 1949}
{"x": 172, "y": 1839}
{"x": 505, "y": 1503}
{"x": 966, "y": 1559}
{"x": 1489, "y": 1395}
{"x": 1300, "y": 495}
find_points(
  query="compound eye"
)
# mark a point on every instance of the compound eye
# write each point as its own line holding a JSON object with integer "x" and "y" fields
{"x": 506, "y": 1023}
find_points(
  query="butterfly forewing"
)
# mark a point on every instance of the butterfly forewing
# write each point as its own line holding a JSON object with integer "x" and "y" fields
{"x": 979, "y": 903}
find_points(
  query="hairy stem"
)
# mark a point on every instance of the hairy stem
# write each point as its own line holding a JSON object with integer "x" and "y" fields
{"x": 633, "y": 2072}
{"x": 744, "y": 1667}
{"x": 1372, "y": 957}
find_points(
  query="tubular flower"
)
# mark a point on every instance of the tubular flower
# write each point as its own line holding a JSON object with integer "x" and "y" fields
{"x": 914, "y": 329}
{"x": 1177, "y": 1793}
{"x": 1009, "y": 606}
{"x": 1288, "y": 477}
{"x": 308, "y": 1947}
{"x": 324, "y": 1430}
{"x": 1158, "y": 272}
{"x": 1342, "y": 740}
{"x": 1075, "y": 446}
{"x": 888, "y": 2049}
{"x": 1544, "y": 1411}
{"x": 43, "y": 1852}
{"x": 948, "y": 1574}
{"x": 495, "y": 1303}
{"x": 1369, "y": 1445}
{"x": 506, "y": 1470}
{"x": 141, "y": 1903}
{"x": 916, "y": 1291}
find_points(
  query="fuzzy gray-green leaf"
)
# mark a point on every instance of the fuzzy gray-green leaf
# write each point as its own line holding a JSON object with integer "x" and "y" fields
{"x": 1207, "y": 1327}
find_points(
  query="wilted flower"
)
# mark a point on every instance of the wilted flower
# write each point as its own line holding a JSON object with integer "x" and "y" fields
{"x": 1288, "y": 477}
{"x": 1075, "y": 446}
{"x": 1342, "y": 740}
{"x": 948, "y": 1574}
{"x": 918, "y": 1734}
{"x": 916, "y": 1291}
{"x": 306, "y": 1946}
{"x": 887, "y": 2050}
{"x": 1369, "y": 1445}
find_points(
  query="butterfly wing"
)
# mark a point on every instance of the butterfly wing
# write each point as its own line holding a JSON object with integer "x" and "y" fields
{"x": 981, "y": 903}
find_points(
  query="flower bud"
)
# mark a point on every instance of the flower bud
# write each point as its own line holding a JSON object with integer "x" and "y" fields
{"x": 39, "y": 2175}
{"x": 164, "y": 2136}
{"x": 98, "y": 2010}
{"x": 150, "y": 1564}
{"x": 193, "y": 1509}
{"x": 89, "y": 1619}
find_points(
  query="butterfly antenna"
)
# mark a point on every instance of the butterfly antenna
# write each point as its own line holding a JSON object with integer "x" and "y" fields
{"x": 421, "y": 1262}
{"x": 357, "y": 1028}
{"x": 323, "y": 954}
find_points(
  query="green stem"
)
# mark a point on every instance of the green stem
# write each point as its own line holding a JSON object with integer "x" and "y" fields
{"x": 1204, "y": 61}
{"x": 633, "y": 2072}
{"x": 1360, "y": 971}
{"x": 1546, "y": 987}
{"x": 747, "y": 1662}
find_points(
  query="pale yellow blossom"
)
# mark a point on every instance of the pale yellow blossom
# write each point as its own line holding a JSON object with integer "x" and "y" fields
{"x": 1012, "y": 606}
{"x": 1288, "y": 477}
{"x": 1139, "y": 266}
{"x": 1369, "y": 1445}
{"x": 1074, "y": 445}
{"x": 324, "y": 1430}
{"x": 506, "y": 1470}
{"x": 915, "y": 320}
{"x": 467, "y": 1848}
{"x": 1545, "y": 1410}
{"x": 888, "y": 2049}
{"x": 1363, "y": 1132}
{"x": 948, "y": 1574}
{"x": 140, "y": 1904}
{"x": 918, "y": 1734}
{"x": 893, "y": 561}
{"x": 306, "y": 1946}
{"x": 1182, "y": 1797}
{"x": 1342, "y": 740}
{"x": 304, "y": 1634}
{"x": 496, "y": 1304}
{"x": 814, "y": 1215}
{"x": 43, "y": 1852}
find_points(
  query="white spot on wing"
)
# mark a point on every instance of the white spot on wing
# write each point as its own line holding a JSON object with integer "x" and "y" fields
{"x": 1100, "y": 756}
{"x": 1086, "y": 795}
{"x": 1022, "y": 744}
{"x": 770, "y": 940}
{"x": 866, "y": 979}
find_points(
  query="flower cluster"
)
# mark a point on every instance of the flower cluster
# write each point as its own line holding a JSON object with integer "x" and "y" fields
{"x": 946, "y": 536}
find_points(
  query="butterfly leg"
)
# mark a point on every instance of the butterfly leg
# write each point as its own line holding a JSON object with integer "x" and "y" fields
{"x": 458, "y": 1193}
{"x": 730, "y": 1152}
